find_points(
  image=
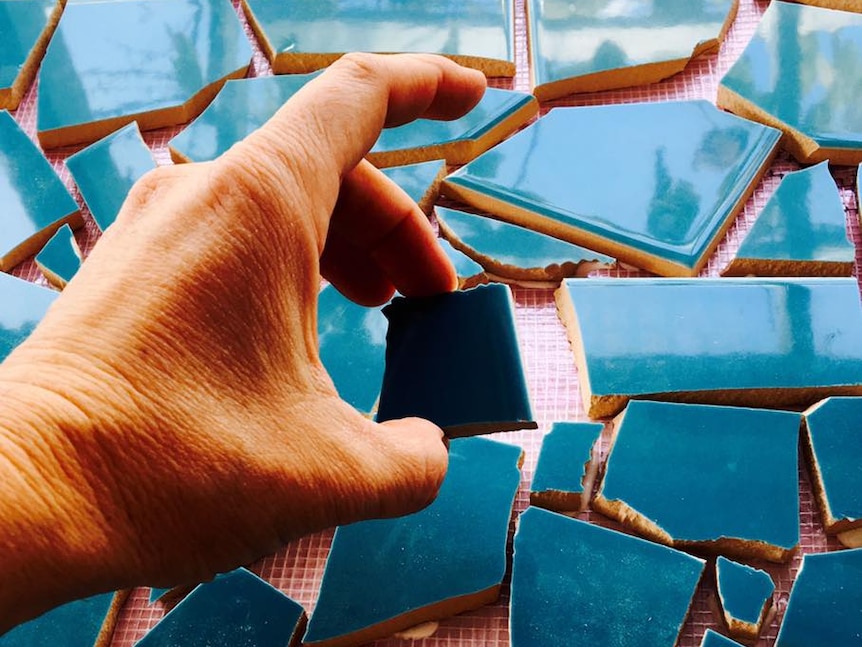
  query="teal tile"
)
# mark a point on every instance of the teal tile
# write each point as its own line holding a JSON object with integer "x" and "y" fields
{"x": 498, "y": 113}
{"x": 746, "y": 341}
{"x": 593, "y": 46}
{"x": 241, "y": 107}
{"x": 420, "y": 181}
{"x": 689, "y": 168}
{"x": 157, "y": 594}
{"x": 106, "y": 171}
{"x": 796, "y": 72}
{"x": 575, "y": 583}
{"x": 713, "y": 639}
{"x": 22, "y": 306}
{"x": 560, "y": 480}
{"x": 745, "y": 595}
{"x": 301, "y": 36}
{"x": 352, "y": 342}
{"x": 60, "y": 258}
{"x": 35, "y": 202}
{"x": 386, "y": 575}
{"x": 26, "y": 25}
{"x": 825, "y": 606}
{"x": 802, "y": 231}
{"x": 470, "y": 273}
{"x": 514, "y": 254}
{"x": 454, "y": 360}
{"x": 83, "y": 623}
{"x": 155, "y": 61}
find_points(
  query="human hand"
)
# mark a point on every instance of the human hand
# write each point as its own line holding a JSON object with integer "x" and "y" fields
{"x": 170, "y": 417}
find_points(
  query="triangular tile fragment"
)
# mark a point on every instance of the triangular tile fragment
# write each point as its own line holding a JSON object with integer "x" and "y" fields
{"x": 60, "y": 259}
{"x": 420, "y": 181}
{"x": 470, "y": 273}
{"x": 745, "y": 595}
{"x": 565, "y": 473}
{"x": 22, "y": 306}
{"x": 713, "y": 639}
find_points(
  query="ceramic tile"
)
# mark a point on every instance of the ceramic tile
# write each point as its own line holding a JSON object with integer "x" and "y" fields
{"x": 833, "y": 443}
{"x": 689, "y": 169}
{"x": 746, "y": 341}
{"x": 575, "y": 583}
{"x": 593, "y": 46}
{"x": 713, "y": 639}
{"x": 563, "y": 478}
{"x": 802, "y": 231}
{"x": 420, "y": 181}
{"x": 236, "y": 608}
{"x": 796, "y": 74}
{"x": 386, "y": 575}
{"x": 300, "y": 36}
{"x": 498, "y": 114}
{"x": 352, "y": 342}
{"x": 843, "y": 5}
{"x": 157, "y": 594}
{"x": 470, "y": 273}
{"x": 106, "y": 171}
{"x": 180, "y": 50}
{"x": 60, "y": 259}
{"x": 26, "y": 26}
{"x": 825, "y": 606}
{"x": 513, "y": 254}
{"x": 34, "y": 201}
{"x": 241, "y": 107}
{"x": 22, "y": 306}
{"x": 454, "y": 359}
{"x": 745, "y": 595}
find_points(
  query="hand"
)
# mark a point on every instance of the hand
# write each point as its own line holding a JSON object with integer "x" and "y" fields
{"x": 170, "y": 418}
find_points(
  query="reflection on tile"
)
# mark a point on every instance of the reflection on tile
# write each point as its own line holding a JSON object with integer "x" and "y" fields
{"x": 745, "y": 595}
{"x": 470, "y": 273}
{"x": 746, "y": 341}
{"x": 593, "y": 46}
{"x": 798, "y": 73}
{"x": 564, "y": 477}
{"x": 60, "y": 258}
{"x": 386, "y": 575}
{"x": 713, "y": 639}
{"x": 689, "y": 169}
{"x": 420, "y": 181}
{"x": 575, "y": 583}
{"x": 301, "y": 36}
{"x": 22, "y": 306}
{"x": 155, "y": 61}
{"x": 35, "y": 202}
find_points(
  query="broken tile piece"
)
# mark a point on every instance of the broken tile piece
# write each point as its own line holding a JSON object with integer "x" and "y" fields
{"x": 22, "y": 307}
{"x": 713, "y": 639}
{"x": 470, "y": 273}
{"x": 689, "y": 170}
{"x": 181, "y": 52}
{"x": 106, "y": 171}
{"x": 157, "y": 594}
{"x": 300, "y": 36}
{"x": 454, "y": 360}
{"x": 745, "y": 341}
{"x": 719, "y": 479}
{"x": 843, "y": 5}
{"x": 352, "y": 342}
{"x": 420, "y": 181}
{"x": 60, "y": 259}
{"x": 575, "y": 583}
{"x": 236, "y": 608}
{"x": 34, "y": 201}
{"x": 564, "y": 476}
{"x": 589, "y": 47}
{"x": 386, "y": 575}
{"x": 795, "y": 74}
{"x": 825, "y": 606}
{"x": 832, "y": 441}
{"x": 745, "y": 595}
{"x": 513, "y": 254}
{"x": 802, "y": 231}
{"x": 498, "y": 114}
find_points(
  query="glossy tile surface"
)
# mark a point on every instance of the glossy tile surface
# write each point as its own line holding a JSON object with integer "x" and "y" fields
{"x": 156, "y": 594}
{"x": 60, "y": 259}
{"x": 33, "y": 198}
{"x": 22, "y": 306}
{"x": 241, "y": 107}
{"x": 352, "y": 342}
{"x": 106, "y": 171}
{"x": 455, "y": 548}
{"x": 454, "y": 359}
{"x": 175, "y": 47}
{"x": 713, "y": 639}
{"x": 563, "y": 459}
{"x": 825, "y": 605}
{"x": 21, "y": 24}
{"x": 76, "y": 624}
{"x": 470, "y": 273}
{"x": 420, "y": 181}
{"x": 575, "y": 583}
{"x": 780, "y": 341}
{"x": 688, "y": 167}
{"x": 570, "y": 41}
{"x": 745, "y": 594}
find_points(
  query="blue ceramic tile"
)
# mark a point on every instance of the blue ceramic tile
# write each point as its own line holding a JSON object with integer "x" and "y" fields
{"x": 575, "y": 583}
{"x": 746, "y": 341}
{"x": 22, "y": 306}
{"x": 592, "y": 46}
{"x": 712, "y": 639}
{"x": 155, "y": 61}
{"x": 795, "y": 73}
{"x": 237, "y": 608}
{"x": 157, "y": 594}
{"x": 559, "y": 478}
{"x": 300, "y": 36}
{"x": 825, "y": 606}
{"x": 420, "y": 181}
{"x": 35, "y": 202}
{"x": 106, "y": 171}
{"x": 454, "y": 359}
{"x": 745, "y": 595}
{"x": 802, "y": 231}
{"x": 386, "y": 575}
{"x": 82, "y": 623}
{"x": 689, "y": 168}
{"x": 25, "y": 26}
{"x": 470, "y": 273}
{"x": 60, "y": 259}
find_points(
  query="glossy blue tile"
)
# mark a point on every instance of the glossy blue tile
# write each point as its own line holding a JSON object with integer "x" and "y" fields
{"x": 560, "y": 479}
{"x": 745, "y": 595}
{"x": 83, "y": 623}
{"x": 26, "y": 27}
{"x": 470, "y": 273}
{"x": 60, "y": 259}
{"x": 713, "y": 639}
{"x": 157, "y": 594}
{"x": 22, "y": 306}
{"x": 420, "y": 181}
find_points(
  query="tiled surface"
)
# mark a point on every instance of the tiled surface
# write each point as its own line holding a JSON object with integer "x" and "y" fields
{"x": 548, "y": 363}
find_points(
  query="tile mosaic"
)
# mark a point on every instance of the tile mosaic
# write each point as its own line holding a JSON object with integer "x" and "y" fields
{"x": 564, "y": 476}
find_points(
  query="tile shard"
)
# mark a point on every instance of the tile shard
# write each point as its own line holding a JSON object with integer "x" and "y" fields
{"x": 566, "y": 469}
{"x": 60, "y": 259}
{"x": 745, "y": 595}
